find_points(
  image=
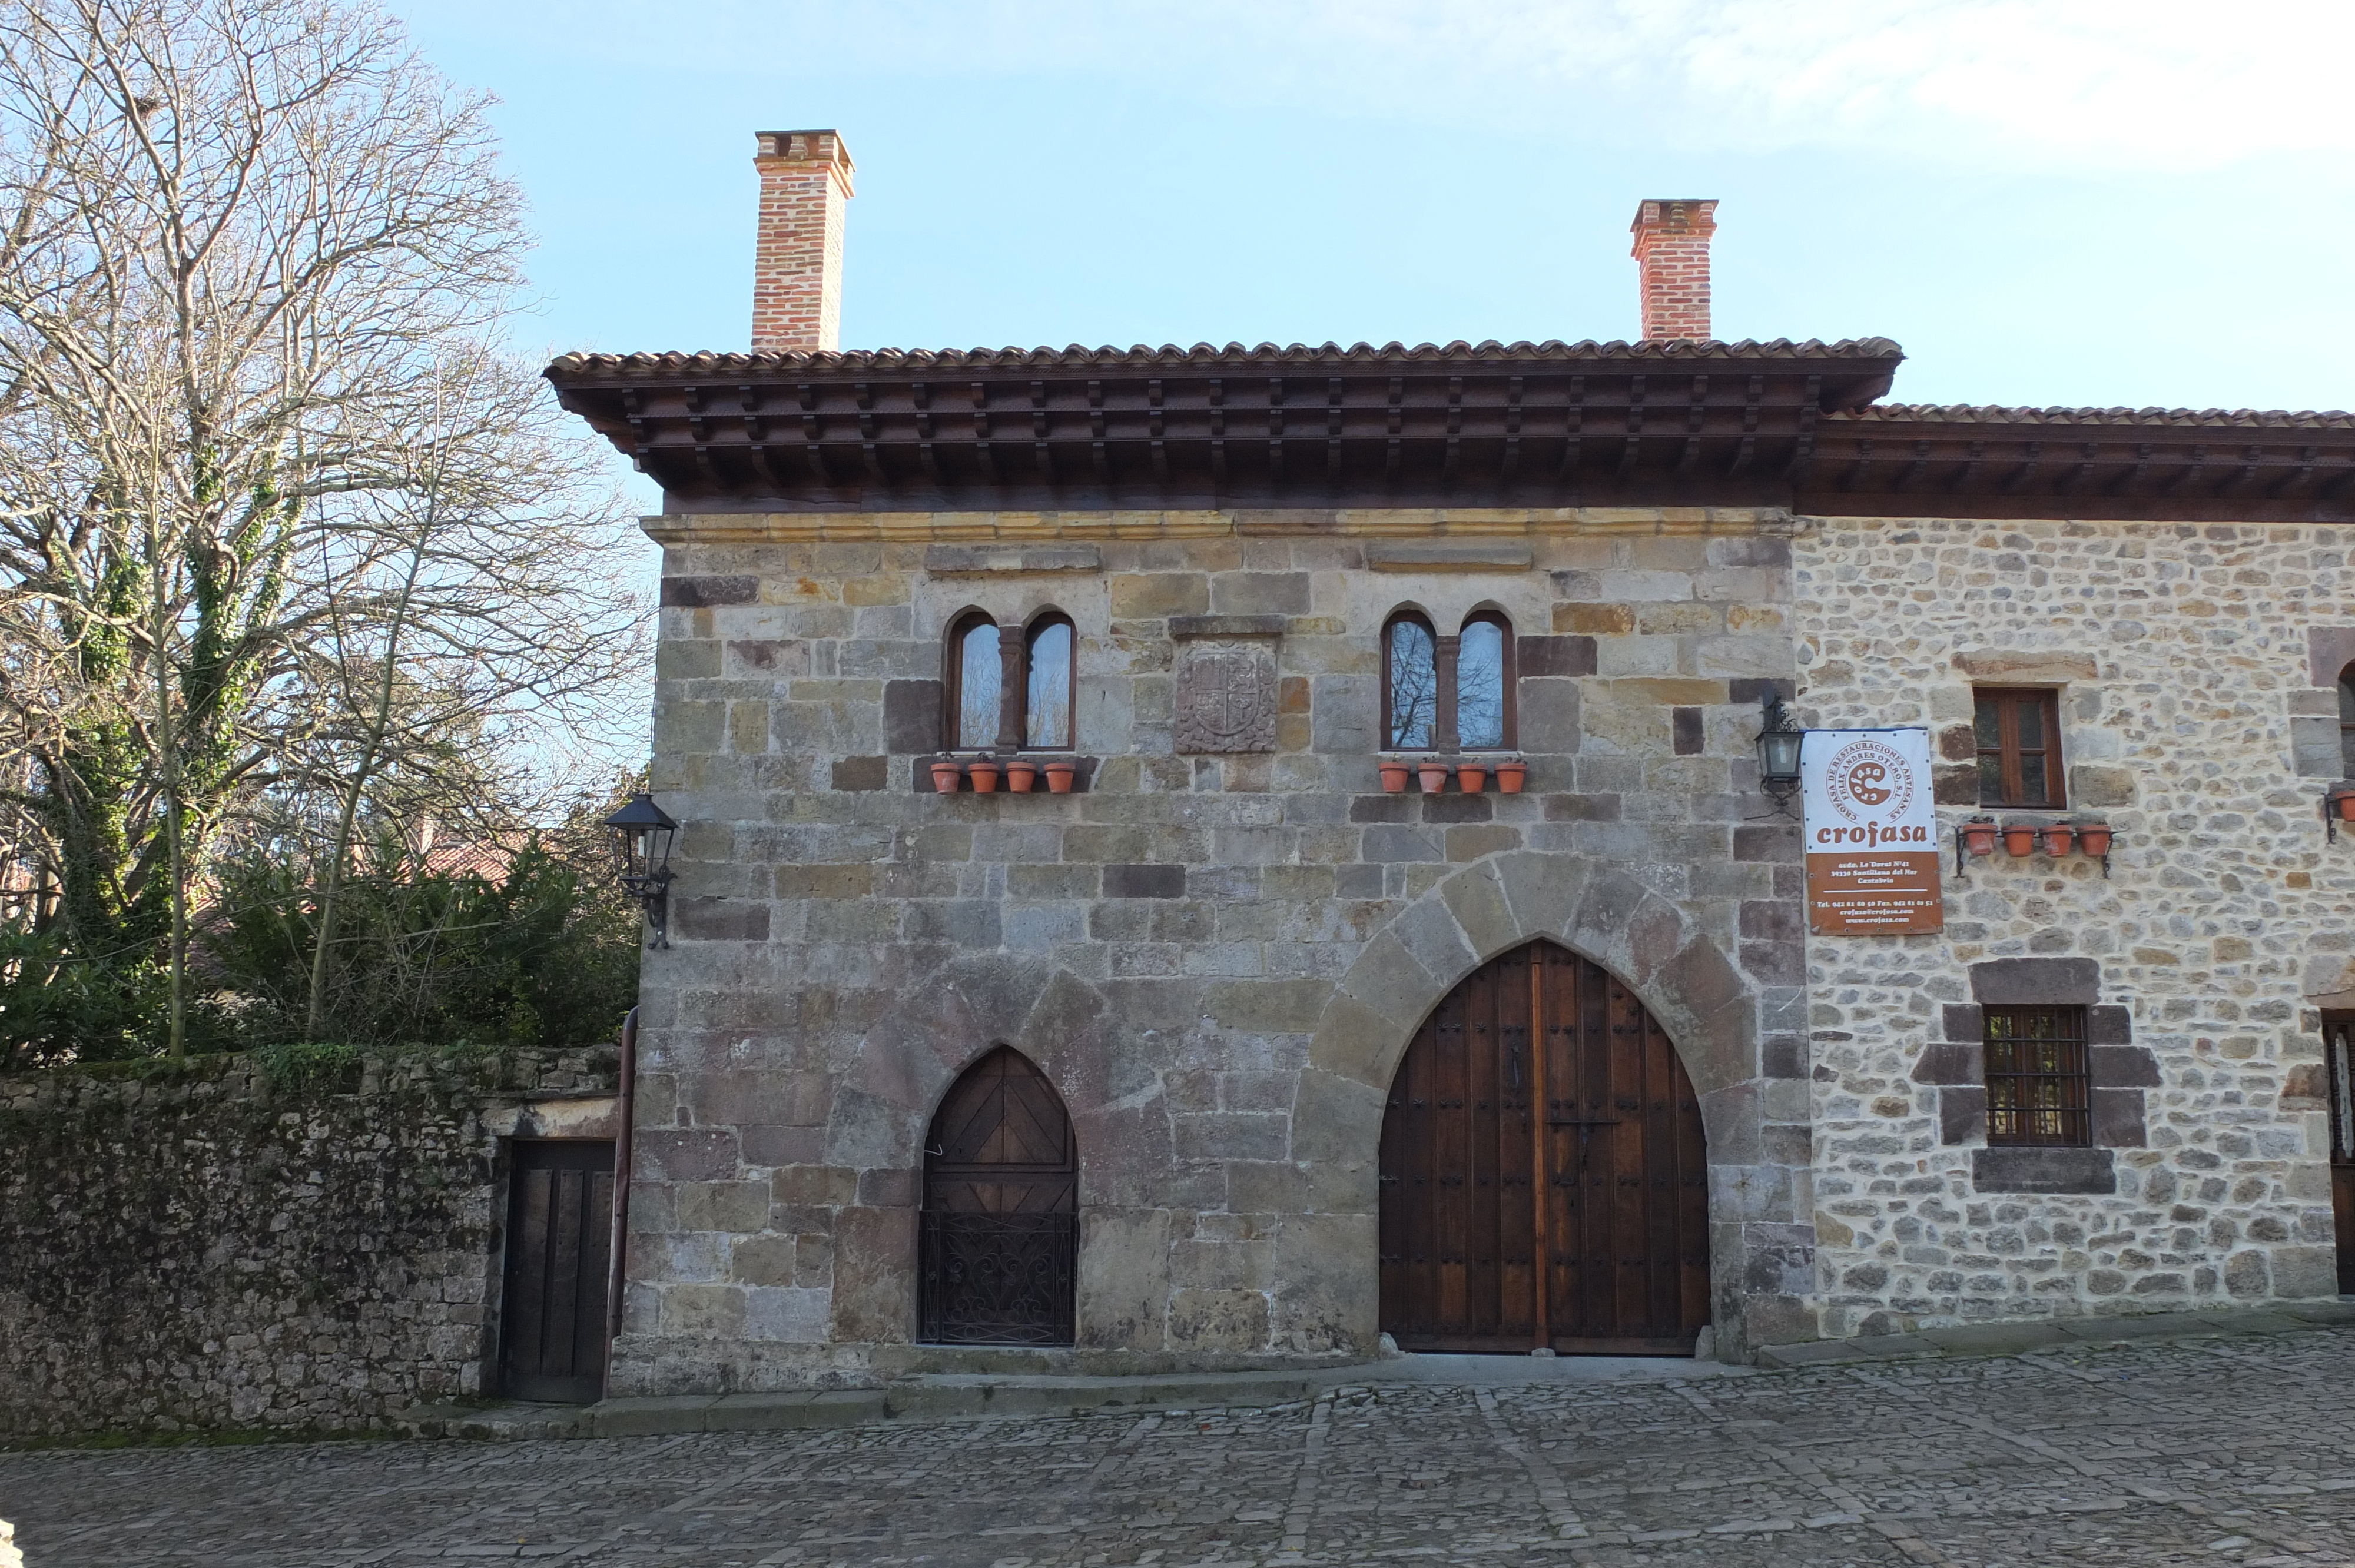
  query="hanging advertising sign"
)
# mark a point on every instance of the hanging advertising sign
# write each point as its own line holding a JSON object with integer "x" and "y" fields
{"x": 1871, "y": 832}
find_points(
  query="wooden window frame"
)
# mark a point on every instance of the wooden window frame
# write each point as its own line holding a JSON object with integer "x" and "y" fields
{"x": 1510, "y": 727}
{"x": 1040, "y": 623}
{"x": 1390, "y": 728}
{"x": 2042, "y": 1100}
{"x": 2347, "y": 722}
{"x": 952, "y": 677}
{"x": 2009, "y": 751}
{"x": 1014, "y": 681}
{"x": 2338, "y": 1084}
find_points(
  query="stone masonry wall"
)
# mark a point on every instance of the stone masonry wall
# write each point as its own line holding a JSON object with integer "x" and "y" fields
{"x": 2182, "y": 653}
{"x": 192, "y": 1246}
{"x": 1218, "y": 960}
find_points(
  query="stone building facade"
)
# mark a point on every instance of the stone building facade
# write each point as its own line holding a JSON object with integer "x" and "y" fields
{"x": 2188, "y": 658}
{"x": 1219, "y": 946}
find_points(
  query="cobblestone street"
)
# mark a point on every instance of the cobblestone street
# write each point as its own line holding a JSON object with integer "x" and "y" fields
{"x": 2213, "y": 1452}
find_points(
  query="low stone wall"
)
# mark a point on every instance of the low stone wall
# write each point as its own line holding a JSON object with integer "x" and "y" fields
{"x": 207, "y": 1244}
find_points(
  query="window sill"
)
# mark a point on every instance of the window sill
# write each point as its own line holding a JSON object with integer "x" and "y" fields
{"x": 2043, "y": 1167}
{"x": 1083, "y": 771}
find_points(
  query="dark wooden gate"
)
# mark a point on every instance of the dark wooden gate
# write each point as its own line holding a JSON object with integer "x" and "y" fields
{"x": 1598, "y": 1116}
{"x": 1000, "y": 1225}
{"x": 2339, "y": 1064}
{"x": 559, "y": 1237}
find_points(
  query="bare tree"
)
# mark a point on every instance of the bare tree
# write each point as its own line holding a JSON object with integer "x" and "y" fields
{"x": 258, "y": 442}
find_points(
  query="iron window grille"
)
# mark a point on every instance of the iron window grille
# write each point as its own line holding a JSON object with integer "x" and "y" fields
{"x": 2039, "y": 1091}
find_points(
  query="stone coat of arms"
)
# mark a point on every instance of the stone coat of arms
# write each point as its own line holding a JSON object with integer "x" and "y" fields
{"x": 1226, "y": 696}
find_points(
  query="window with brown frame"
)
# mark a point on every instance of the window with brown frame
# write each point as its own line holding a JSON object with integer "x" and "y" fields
{"x": 975, "y": 683}
{"x": 1484, "y": 684}
{"x": 2019, "y": 748}
{"x": 1410, "y": 684}
{"x": 2037, "y": 1089}
{"x": 1045, "y": 712}
{"x": 1049, "y": 691}
{"x": 2347, "y": 722}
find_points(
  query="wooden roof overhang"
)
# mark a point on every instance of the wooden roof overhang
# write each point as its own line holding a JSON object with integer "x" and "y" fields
{"x": 2147, "y": 464}
{"x": 1493, "y": 425}
{"x": 1776, "y": 424}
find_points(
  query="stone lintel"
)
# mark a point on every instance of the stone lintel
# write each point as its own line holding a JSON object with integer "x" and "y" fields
{"x": 2036, "y": 982}
{"x": 1449, "y": 555}
{"x": 2033, "y": 667}
{"x": 1189, "y": 627}
{"x": 2024, "y": 1168}
{"x": 975, "y": 560}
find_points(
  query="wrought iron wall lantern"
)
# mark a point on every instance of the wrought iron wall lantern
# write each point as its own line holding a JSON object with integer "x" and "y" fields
{"x": 641, "y": 834}
{"x": 1779, "y": 740}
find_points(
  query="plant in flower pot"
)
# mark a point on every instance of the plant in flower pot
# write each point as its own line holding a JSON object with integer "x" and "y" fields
{"x": 984, "y": 774}
{"x": 1395, "y": 771}
{"x": 948, "y": 775}
{"x": 2019, "y": 838}
{"x": 1433, "y": 773}
{"x": 2340, "y": 802}
{"x": 1472, "y": 776}
{"x": 2059, "y": 837}
{"x": 1061, "y": 772}
{"x": 1978, "y": 835}
{"x": 1510, "y": 775}
{"x": 1021, "y": 772}
{"x": 2093, "y": 838}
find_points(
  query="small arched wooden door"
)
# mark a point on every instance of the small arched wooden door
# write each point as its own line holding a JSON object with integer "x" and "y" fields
{"x": 1548, "y": 1195}
{"x": 1000, "y": 1224}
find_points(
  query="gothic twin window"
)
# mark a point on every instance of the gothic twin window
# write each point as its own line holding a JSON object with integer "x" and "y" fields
{"x": 1447, "y": 693}
{"x": 1010, "y": 685}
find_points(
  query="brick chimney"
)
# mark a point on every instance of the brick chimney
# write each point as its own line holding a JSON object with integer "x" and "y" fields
{"x": 797, "y": 256}
{"x": 1672, "y": 255}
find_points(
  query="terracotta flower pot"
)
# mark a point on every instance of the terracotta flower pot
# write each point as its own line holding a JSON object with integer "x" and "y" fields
{"x": 1060, "y": 776}
{"x": 1472, "y": 776}
{"x": 948, "y": 777}
{"x": 1020, "y": 774}
{"x": 1395, "y": 777}
{"x": 984, "y": 774}
{"x": 2093, "y": 839}
{"x": 1979, "y": 837}
{"x": 2020, "y": 839}
{"x": 1511, "y": 775}
{"x": 1435, "y": 776}
{"x": 2346, "y": 804}
{"x": 2059, "y": 839}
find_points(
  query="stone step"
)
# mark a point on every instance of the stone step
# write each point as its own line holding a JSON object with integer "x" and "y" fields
{"x": 940, "y": 1396}
{"x": 2010, "y": 1338}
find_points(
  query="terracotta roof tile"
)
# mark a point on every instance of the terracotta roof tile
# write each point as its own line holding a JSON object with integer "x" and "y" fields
{"x": 2200, "y": 419}
{"x": 1078, "y": 356}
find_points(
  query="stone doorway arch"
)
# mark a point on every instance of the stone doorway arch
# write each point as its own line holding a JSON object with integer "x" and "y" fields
{"x": 1740, "y": 1038}
{"x": 999, "y": 1228}
{"x": 1544, "y": 1172}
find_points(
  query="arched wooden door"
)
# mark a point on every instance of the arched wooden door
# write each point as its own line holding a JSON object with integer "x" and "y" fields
{"x": 1598, "y": 1118}
{"x": 1000, "y": 1223}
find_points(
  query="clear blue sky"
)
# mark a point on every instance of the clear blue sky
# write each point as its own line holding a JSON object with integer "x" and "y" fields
{"x": 2045, "y": 201}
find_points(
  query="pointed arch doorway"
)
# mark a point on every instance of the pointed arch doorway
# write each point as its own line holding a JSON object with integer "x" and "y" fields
{"x": 1544, "y": 1181}
{"x": 999, "y": 1232}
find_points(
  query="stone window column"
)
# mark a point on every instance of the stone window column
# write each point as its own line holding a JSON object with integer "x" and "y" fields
{"x": 1011, "y": 678}
{"x": 1442, "y": 726}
